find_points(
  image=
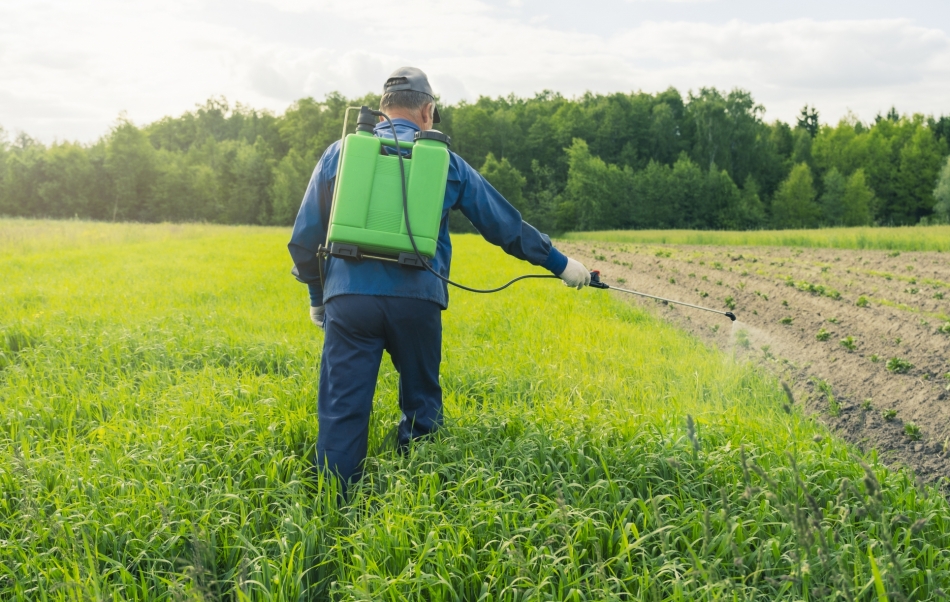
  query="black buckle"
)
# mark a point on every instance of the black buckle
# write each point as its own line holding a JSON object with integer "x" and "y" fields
{"x": 411, "y": 260}
{"x": 344, "y": 251}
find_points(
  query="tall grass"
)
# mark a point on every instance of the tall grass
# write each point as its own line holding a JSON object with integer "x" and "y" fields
{"x": 909, "y": 238}
{"x": 157, "y": 414}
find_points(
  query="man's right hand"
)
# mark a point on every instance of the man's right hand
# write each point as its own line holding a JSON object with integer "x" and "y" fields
{"x": 575, "y": 274}
{"x": 317, "y": 315}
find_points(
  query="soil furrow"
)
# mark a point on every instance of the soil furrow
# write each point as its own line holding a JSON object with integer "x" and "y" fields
{"x": 863, "y": 337}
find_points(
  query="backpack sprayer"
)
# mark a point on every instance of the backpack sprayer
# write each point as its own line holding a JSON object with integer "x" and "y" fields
{"x": 369, "y": 217}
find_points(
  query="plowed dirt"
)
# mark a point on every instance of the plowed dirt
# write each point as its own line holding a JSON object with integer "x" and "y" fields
{"x": 887, "y": 387}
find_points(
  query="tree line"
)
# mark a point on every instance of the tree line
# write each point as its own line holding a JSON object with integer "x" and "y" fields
{"x": 638, "y": 160}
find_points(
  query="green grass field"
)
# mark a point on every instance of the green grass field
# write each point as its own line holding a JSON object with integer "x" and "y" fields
{"x": 911, "y": 238}
{"x": 157, "y": 411}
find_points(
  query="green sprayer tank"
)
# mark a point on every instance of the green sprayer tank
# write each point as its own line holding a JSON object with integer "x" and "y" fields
{"x": 367, "y": 215}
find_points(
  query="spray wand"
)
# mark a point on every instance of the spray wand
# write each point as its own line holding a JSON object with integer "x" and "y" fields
{"x": 596, "y": 283}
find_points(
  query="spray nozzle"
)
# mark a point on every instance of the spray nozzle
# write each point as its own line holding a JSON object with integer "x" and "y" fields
{"x": 730, "y": 315}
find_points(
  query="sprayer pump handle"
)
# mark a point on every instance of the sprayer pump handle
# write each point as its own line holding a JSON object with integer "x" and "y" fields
{"x": 595, "y": 280}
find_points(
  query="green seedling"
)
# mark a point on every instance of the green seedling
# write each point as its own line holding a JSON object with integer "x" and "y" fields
{"x": 672, "y": 280}
{"x": 787, "y": 321}
{"x": 730, "y": 303}
{"x": 912, "y": 431}
{"x": 822, "y": 335}
{"x": 945, "y": 328}
{"x": 862, "y": 301}
{"x": 899, "y": 366}
{"x": 833, "y": 320}
{"x": 938, "y": 296}
{"x": 784, "y": 303}
{"x": 866, "y": 404}
{"x": 848, "y": 343}
{"x": 888, "y": 414}
{"x": 875, "y": 358}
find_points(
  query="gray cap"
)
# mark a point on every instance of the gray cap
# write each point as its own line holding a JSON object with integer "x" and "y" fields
{"x": 411, "y": 78}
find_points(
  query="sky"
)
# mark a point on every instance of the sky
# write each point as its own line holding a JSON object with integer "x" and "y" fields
{"x": 70, "y": 68}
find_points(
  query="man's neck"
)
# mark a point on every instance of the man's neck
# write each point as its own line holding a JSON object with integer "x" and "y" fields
{"x": 395, "y": 114}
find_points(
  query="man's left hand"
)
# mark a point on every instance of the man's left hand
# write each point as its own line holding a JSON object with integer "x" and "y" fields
{"x": 317, "y": 314}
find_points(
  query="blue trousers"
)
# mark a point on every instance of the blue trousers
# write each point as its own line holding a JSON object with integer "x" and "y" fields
{"x": 358, "y": 329}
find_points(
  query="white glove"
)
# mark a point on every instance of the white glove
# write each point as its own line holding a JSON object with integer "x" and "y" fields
{"x": 316, "y": 315}
{"x": 575, "y": 274}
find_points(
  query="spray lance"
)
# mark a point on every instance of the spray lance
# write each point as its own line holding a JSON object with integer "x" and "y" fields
{"x": 369, "y": 216}
{"x": 596, "y": 283}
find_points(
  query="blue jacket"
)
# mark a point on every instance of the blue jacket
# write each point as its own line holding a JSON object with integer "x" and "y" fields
{"x": 466, "y": 190}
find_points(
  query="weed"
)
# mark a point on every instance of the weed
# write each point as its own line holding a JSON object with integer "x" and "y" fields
{"x": 866, "y": 404}
{"x": 938, "y": 296}
{"x": 661, "y": 253}
{"x": 945, "y": 328}
{"x": 912, "y": 431}
{"x": 730, "y": 303}
{"x": 784, "y": 303}
{"x": 622, "y": 280}
{"x": 767, "y": 352}
{"x": 894, "y": 254}
{"x": 719, "y": 282}
{"x": 875, "y": 358}
{"x": 822, "y": 335}
{"x": 163, "y": 454}
{"x": 898, "y": 365}
{"x": 597, "y": 257}
{"x": 823, "y": 386}
{"x": 848, "y": 343}
{"x": 717, "y": 265}
{"x": 888, "y": 414}
{"x": 672, "y": 280}
{"x": 833, "y": 320}
{"x": 703, "y": 294}
{"x": 787, "y": 320}
{"x": 715, "y": 327}
{"x": 862, "y": 301}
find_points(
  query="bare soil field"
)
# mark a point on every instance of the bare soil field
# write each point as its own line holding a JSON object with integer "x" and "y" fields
{"x": 862, "y": 337}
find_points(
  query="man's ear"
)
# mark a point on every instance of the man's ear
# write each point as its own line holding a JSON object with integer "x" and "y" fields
{"x": 427, "y": 113}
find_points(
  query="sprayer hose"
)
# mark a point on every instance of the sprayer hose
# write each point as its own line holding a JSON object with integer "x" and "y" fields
{"x": 405, "y": 212}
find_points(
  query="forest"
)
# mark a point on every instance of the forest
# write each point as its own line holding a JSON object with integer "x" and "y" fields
{"x": 707, "y": 161}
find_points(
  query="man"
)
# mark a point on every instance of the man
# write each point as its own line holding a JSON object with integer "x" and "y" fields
{"x": 368, "y": 306}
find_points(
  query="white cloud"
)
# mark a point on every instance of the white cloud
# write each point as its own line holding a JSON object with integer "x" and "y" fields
{"x": 68, "y": 68}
